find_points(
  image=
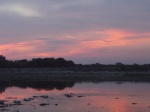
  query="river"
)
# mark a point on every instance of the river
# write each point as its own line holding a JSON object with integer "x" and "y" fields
{"x": 77, "y": 97}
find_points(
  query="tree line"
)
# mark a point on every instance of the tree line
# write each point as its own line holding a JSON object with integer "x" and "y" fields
{"x": 62, "y": 63}
{"x": 117, "y": 67}
{"x": 35, "y": 62}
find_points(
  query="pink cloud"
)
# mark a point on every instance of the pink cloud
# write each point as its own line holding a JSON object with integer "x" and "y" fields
{"x": 107, "y": 43}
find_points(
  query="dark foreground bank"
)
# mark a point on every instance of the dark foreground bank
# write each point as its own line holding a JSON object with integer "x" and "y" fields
{"x": 45, "y": 74}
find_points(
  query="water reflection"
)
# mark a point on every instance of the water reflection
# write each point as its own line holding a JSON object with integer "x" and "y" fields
{"x": 48, "y": 85}
{"x": 97, "y": 96}
{"x": 38, "y": 85}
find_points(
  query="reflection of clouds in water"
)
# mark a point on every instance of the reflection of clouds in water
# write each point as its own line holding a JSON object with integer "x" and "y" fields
{"x": 96, "y": 97}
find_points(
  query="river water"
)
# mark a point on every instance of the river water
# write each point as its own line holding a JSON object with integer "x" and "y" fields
{"x": 81, "y": 97}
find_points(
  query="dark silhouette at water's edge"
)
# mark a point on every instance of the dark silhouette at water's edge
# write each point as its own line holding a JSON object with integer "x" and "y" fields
{"x": 51, "y": 73}
{"x": 38, "y": 85}
{"x": 62, "y": 64}
{"x": 49, "y": 85}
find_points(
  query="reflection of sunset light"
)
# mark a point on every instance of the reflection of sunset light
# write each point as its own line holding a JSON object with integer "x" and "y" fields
{"x": 105, "y": 97}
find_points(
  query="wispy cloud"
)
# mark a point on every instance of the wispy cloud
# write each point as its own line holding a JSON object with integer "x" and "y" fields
{"x": 76, "y": 29}
{"x": 19, "y": 9}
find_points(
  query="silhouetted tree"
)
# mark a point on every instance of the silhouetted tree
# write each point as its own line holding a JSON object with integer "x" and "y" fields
{"x": 2, "y": 61}
{"x": 2, "y": 58}
{"x": 62, "y": 63}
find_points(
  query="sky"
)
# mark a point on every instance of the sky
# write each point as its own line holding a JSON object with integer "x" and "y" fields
{"x": 85, "y": 31}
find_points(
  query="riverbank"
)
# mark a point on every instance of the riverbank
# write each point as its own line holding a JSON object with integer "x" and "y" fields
{"x": 47, "y": 74}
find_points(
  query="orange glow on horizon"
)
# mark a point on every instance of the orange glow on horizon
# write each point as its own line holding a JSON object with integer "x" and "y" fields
{"x": 85, "y": 42}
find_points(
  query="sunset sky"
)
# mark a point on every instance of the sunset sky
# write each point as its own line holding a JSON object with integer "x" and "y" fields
{"x": 85, "y": 31}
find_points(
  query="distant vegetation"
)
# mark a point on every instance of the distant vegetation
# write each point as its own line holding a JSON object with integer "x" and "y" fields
{"x": 62, "y": 63}
{"x": 35, "y": 62}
